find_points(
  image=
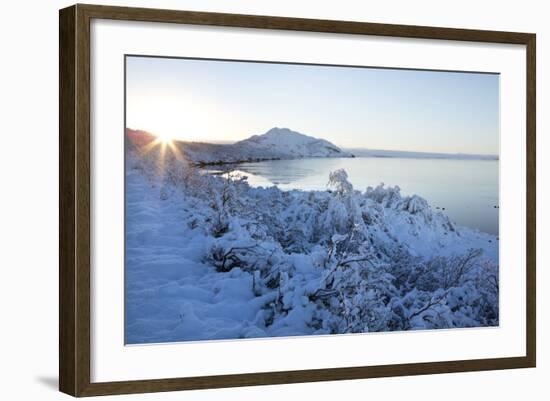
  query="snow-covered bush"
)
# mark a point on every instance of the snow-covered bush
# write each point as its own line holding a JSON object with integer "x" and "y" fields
{"x": 339, "y": 180}
{"x": 339, "y": 261}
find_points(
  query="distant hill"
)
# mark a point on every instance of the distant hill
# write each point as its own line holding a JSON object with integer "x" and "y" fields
{"x": 285, "y": 143}
{"x": 361, "y": 152}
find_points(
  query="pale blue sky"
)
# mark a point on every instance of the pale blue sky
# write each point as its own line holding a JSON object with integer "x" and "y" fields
{"x": 204, "y": 100}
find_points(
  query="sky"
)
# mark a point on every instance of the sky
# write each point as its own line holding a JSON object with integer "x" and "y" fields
{"x": 214, "y": 101}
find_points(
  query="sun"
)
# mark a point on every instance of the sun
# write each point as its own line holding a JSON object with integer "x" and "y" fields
{"x": 166, "y": 145}
{"x": 165, "y": 138}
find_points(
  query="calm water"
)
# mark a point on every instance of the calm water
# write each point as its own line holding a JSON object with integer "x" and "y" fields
{"x": 467, "y": 189}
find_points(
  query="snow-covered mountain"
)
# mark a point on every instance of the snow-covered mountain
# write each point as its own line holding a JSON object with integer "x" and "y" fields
{"x": 288, "y": 143}
{"x": 277, "y": 143}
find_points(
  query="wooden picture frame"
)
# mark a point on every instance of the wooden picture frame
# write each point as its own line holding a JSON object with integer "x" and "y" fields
{"x": 74, "y": 199}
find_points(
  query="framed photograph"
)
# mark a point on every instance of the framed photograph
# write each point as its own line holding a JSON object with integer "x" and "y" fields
{"x": 249, "y": 200}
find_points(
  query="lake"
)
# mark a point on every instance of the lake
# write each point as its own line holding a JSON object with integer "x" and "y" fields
{"x": 467, "y": 189}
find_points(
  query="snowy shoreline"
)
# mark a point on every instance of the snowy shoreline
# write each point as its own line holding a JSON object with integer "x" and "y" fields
{"x": 209, "y": 257}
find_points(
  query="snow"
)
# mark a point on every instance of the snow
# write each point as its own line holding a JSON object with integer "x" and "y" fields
{"x": 209, "y": 257}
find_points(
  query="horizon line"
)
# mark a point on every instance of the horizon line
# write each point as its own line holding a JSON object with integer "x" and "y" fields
{"x": 348, "y": 148}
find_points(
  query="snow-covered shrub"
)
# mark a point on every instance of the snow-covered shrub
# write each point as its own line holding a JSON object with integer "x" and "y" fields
{"x": 339, "y": 180}
{"x": 226, "y": 259}
{"x": 337, "y": 261}
{"x": 388, "y": 197}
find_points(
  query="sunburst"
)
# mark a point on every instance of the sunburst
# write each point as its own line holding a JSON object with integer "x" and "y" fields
{"x": 165, "y": 139}
{"x": 166, "y": 146}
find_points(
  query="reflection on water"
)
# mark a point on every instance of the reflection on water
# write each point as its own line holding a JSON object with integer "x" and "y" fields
{"x": 467, "y": 190}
